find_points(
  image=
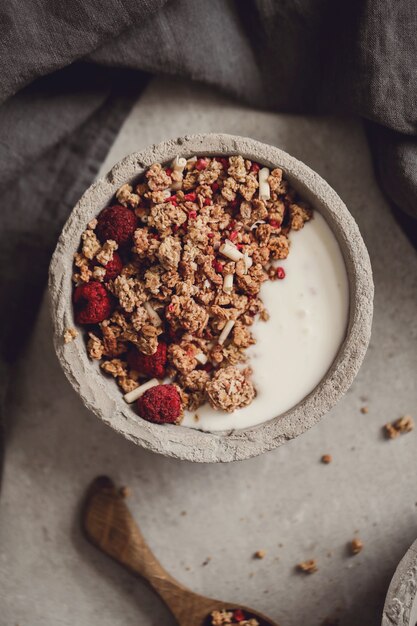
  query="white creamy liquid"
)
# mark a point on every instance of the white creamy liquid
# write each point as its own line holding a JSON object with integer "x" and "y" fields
{"x": 295, "y": 348}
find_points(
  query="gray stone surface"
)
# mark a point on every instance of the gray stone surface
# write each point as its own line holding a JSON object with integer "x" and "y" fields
{"x": 284, "y": 501}
{"x": 101, "y": 394}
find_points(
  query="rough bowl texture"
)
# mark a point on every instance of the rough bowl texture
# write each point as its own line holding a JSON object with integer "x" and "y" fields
{"x": 400, "y": 607}
{"x": 102, "y": 396}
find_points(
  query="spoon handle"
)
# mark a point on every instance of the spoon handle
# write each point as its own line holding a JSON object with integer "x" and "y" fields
{"x": 109, "y": 525}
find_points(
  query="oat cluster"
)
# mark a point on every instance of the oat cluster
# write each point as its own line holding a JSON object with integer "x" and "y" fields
{"x": 209, "y": 232}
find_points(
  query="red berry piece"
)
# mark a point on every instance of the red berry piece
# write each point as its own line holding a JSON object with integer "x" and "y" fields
{"x": 192, "y": 215}
{"x": 233, "y": 235}
{"x": 215, "y": 187}
{"x": 217, "y": 266}
{"x": 150, "y": 365}
{"x": 239, "y": 615}
{"x": 113, "y": 267}
{"x": 280, "y": 273}
{"x": 117, "y": 223}
{"x": 274, "y": 223}
{"x": 160, "y": 404}
{"x": 192, "y": 197}
{"x": 201, "y": 164}
{"x": 172, "y": 199}
{"x": 207, "y": 202}
{"x": 92, "y": 303}
{"x": 255, "y": 167}
{"x": 168, "y": 171}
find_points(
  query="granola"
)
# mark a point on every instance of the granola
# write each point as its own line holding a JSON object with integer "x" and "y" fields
{"x": 195, "y": 241}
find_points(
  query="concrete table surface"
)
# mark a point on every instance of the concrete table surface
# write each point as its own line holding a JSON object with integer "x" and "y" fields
{"x": 285, "y": 502}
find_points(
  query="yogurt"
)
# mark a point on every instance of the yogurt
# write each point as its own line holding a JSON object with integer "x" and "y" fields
{"x": 294, "y": 349}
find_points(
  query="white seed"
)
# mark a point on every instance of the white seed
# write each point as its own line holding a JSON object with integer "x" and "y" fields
{"x": 228, "y": 283}
{"x": 264, "y": 188}
{"x": 201, "y": 358}
{"x": 225, "y": 332}
{"x": 152, "y": 314}
{"x": 230, "y": 251}
{"x": 139, "y": 391}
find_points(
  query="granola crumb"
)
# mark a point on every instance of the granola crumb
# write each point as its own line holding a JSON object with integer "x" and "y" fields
{"x": 259, "y": 554}
{"x": 326, "y": 459}
{"x": 364, "y": 410}
{"x": 400, "y": 426}
{"x": 355, "y": 546}
{"x": 70, "y": 334}
{"x": 206, "y": 561}
{"x": 307, "y": 567}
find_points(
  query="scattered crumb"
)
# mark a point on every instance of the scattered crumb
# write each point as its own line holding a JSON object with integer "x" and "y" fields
{"x": 259, "y": 554}
{"x": 355, "y": 546}
{"x": 307, "y": 567}
{"x": 400, "y": 426}
{"x": 183, "y": 513}
{"x": 188, "y": 568}
{"x": 196, "y": 418}
{"x": 326, "y": 459}
{"x": 70, "y": 334}
{"x": 125, "y": 492}
{"x": 364, "y": 409}
{"x": 206, "y": 561}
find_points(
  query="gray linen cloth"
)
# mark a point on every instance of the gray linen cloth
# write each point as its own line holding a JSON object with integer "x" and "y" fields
{"x": 70, "y": 70}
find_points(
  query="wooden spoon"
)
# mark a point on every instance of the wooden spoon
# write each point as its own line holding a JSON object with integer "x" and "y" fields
{"x": 109, "y": 525}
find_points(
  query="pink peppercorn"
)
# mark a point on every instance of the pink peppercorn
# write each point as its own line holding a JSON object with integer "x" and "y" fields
{"x": 280, "y": 273}
{"x": 210, "y": 235}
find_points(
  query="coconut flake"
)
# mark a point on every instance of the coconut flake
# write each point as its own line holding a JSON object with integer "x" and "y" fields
{"x": 230, "y": 251}
{"x": 225, "y": 332}
{"x": 264, "y": 188}
{"x": 201, "y": 358}
{"x": 256, "y": 224}
{"x": 247, "y": 262}
{"x": 153, "y": 314}
{"x": 228, "y": 283}
{"x": 139, "y": 391}
{"x": 178, "y": 164}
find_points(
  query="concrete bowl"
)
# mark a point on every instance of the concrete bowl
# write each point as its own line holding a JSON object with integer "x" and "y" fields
{"x": 400, "y": 608}
{"x": 102, "y": 396}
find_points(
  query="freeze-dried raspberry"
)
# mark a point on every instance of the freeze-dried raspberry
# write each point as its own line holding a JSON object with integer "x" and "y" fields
{"x": 150, "y": 365}
{"x": 92, "y": 303}
{"x": 160, "y": 404}
{"x": 117, "y": 223}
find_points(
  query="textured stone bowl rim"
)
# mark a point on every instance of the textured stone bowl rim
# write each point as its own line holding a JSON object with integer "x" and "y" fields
{"x": 102, "y": 396}
{"x": 402, "y": 592}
